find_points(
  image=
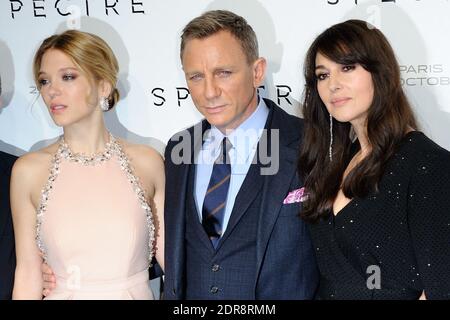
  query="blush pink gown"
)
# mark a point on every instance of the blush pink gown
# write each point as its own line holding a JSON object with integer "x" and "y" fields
{"x": 95, "y": 227}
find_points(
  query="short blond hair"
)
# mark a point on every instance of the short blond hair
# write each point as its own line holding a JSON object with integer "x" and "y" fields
{"x": 211, "y": 22}
{"x": 88, "y": 52}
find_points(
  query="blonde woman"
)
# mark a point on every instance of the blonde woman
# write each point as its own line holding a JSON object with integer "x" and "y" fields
{"x": 89, "y": 205}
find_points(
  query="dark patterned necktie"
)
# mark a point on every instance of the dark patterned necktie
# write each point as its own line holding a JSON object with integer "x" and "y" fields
{"x": 213, "y": 210}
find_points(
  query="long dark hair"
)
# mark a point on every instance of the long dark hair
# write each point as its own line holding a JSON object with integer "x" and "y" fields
{"x": 389, "y": 117}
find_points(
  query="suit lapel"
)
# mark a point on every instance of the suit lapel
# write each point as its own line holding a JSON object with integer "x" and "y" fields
{"x": 178, "y": 177}
{"x": 191, "y": 210}
{"x": 247, "y": 193}
{"x": 276, "y": 187}
{"x": 199, "y": 140}
{"x": 250, "y": 187}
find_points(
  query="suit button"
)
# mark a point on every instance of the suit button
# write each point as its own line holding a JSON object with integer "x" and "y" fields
{"x": 215, "y": 267}
{"x": 213, "y": 289}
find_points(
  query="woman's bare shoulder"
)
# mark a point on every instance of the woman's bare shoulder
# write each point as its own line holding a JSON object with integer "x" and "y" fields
{"x": 147, "y": 164}
{"x": 36, "y": 160}
{"x": 142, "y": 155}
{"x": 31, "y": 170}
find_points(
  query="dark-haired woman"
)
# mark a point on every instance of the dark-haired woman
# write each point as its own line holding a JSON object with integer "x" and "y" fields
{"x": 78, "y": 204}
{"x": 378, "y": 190}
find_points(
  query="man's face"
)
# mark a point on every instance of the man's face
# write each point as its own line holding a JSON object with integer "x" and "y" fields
{"x": 221, "y": 81}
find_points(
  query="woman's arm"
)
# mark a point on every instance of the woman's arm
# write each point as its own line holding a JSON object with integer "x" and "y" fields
{"x": 149, "y": 168}
{"x": 28, "y": 278}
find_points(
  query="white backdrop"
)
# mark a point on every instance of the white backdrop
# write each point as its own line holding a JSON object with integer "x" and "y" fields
{"x": 145, "y": 37}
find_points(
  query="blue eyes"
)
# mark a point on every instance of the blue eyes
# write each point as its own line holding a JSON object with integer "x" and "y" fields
{"x": 224, "y": 73}
{"x": 65, "y": 77}
{"x": 323, "y": 76}
{"x": 195, "y": 77}
{"x": 219, "y": 74}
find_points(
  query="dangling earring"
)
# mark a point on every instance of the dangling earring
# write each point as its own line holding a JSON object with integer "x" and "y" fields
{"x": 104, "y": 104}
{"x": 330, "y": 149}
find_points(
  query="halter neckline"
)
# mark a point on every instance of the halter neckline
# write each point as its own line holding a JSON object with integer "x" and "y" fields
{"x": 112, "y": 148}
{"x": 93, "y": 159}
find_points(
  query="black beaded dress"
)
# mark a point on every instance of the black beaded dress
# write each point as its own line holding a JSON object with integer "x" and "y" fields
{"x": 394, "y": 243}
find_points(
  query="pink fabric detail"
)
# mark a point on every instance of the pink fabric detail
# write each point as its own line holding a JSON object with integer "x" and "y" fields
{"x": 294, "y": 196}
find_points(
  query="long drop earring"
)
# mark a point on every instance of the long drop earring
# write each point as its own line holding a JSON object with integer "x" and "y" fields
{"x": 330, "y": 149}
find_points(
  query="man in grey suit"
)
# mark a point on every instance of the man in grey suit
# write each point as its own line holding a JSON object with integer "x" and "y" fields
{"x": 231, "y": 214}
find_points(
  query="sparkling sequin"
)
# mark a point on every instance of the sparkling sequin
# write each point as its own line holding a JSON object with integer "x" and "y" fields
{"x": 86, "y": 160}
{"x": 111, "y": 148}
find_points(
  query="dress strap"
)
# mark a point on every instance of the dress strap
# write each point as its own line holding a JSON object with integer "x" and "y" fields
{"x": 112, "y": 148}
{"x": 45, "y": 195}
{"x": 140, "y": 193}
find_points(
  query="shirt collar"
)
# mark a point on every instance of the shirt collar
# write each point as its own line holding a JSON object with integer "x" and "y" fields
{"x": 244, "y": 138}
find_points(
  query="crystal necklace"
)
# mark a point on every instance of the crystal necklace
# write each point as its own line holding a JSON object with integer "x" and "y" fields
{"x": 92, "y": 159}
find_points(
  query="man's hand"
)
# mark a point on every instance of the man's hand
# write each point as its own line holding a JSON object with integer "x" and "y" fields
{"x": 49, "y": 279}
